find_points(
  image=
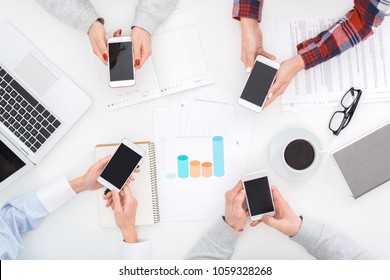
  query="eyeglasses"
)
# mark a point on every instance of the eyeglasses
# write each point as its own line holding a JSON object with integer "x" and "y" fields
{"x": 341, "y": 119}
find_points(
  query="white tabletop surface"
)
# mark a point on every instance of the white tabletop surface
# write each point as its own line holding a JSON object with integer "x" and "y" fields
{"x": 73, "y": 232}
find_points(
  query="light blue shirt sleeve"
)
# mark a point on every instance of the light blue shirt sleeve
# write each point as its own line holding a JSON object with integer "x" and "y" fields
{"x": 16, "y": 217}
{"x": 27, "y": 212}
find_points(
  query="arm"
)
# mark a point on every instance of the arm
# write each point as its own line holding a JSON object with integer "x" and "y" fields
{"x": 324, "y": 243}
{"x": 249, "y": 14}
{"x": 151, "y": 13}
{"x": 148, "y": 15}
{"x": 317, "y": 239}
{"x": 125, "y": 209}
{"x": 219, "y": 242}
{"x": 357, "y": 25}
{"x": 248, "y": 9}
{"x": 27, "y": 212}
{"x": 78, "y": 14}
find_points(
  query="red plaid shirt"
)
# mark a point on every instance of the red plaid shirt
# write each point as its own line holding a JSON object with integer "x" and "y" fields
{"x": 357, "y": 25}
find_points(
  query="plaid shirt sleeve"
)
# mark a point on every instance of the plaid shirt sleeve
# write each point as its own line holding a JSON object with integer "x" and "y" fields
{"x": 248, "y": 9}
{"x": 355, "y": 26}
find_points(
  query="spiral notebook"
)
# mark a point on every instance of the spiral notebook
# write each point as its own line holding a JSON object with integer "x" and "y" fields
{"x": 144, "y": 188}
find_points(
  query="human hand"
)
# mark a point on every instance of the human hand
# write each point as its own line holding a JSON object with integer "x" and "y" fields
{"x": 285, "y": 219}
{"x": 142, "y": 46}
{"x": 235, "y": 214}
{"x": 108, "y": 196}
{"x": 287, "y": 71}
{"x": 125, "y": 209}
{"x": 88, "y": 181}
{"x": 97, "y": 38}
{"x": 251, "y": 43}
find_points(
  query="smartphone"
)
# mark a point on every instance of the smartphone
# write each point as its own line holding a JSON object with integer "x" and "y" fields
{"x": 259, "y": 81}
{"x": 258, "y": 195}
{"x": 125, "y": 160}
{"x": 120, "y": 62}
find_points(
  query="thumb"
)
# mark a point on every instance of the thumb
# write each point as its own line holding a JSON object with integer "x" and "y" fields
{"x": 270, "y": 221}
{"x": 116, "y": 201}
{"x": 137, "y": 53}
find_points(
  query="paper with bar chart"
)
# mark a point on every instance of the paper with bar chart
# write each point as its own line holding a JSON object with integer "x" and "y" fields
{"x": 196, "y": 160}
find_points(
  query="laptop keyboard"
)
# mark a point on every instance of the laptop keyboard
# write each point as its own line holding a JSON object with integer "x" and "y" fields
{"x": 24, "y": 116}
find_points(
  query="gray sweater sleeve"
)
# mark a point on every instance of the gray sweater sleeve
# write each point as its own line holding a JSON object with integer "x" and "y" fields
{"x": 78, "y": 14}
{"x": 151, "y": 13}
{"x": 216, "y": 244}
{"x": 325, "y": 243}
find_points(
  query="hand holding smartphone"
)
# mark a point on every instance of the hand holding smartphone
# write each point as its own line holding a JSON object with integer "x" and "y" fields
{"x": 120, "y": 62}
{"x": 259, "y": 81}
{"x": 125, "y": 160}
{"x": 258, "y": 195}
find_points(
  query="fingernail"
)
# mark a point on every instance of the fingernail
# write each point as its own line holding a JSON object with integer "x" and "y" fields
{"x": 105, "y": 56}
{"x": 248, "y": 69}
{"x": 270, "y": 95}
{"x": 137, "y": 62}
{"x": 120, "y": 32}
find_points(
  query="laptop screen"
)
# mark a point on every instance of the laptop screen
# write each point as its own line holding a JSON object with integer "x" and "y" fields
{"x": 9, "y": 162}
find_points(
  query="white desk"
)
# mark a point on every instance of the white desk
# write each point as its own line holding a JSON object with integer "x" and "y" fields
{"x": 73, "y": 232}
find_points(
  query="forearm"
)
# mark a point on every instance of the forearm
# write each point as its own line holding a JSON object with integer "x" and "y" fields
{"x": 151, "y": 13}
{"x": 356, "y": 26}
{"x": 79, "y": 14}
{"x": 247, "y": 9}
{"x": 217, "y": 244}
{"x": 324, "y": 243}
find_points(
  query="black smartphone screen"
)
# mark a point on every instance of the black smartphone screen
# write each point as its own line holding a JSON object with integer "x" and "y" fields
{"x": 258, "y": 196}
{"x": 121, "y": 61}
{"x": 121, "y": 165}
{"x": 258, "y": 84}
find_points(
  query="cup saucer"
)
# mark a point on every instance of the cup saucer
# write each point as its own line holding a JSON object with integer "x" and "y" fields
{"x": 276, "y": 153}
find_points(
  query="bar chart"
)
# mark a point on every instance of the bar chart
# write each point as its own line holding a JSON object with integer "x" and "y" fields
{"x": 194, "y": 168}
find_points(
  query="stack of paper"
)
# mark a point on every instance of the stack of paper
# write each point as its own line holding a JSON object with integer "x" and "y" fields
{"x": 366, "y": 66}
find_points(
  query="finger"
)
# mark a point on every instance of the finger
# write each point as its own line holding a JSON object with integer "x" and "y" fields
{"x": 109, "y": 202}
{"x": 255, "y": 223}
{"x": 145, "y": 53}
{"x": 248, "y": 59}
{"x": 101, "y": 44}
{"x": 137, "y": 53}
{"x": 268, "y": 55}
{"x": 118, "y": 33}
{"x": 108, "y": 195}
{"x": 116, "y": 201}
{"x": 137, "y": 170}
{"x": 238, "y": 201}
{"x": 231, "y": 194}
{"x": 102, "y": 162}
{"x": 270, "y": 221}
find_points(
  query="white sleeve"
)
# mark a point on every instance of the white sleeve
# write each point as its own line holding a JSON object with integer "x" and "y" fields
{"x": 141, "y": 250}
{"x": 55, "y": 194}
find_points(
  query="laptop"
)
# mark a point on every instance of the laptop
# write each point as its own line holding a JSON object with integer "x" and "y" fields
{"x": 38, "y": 104}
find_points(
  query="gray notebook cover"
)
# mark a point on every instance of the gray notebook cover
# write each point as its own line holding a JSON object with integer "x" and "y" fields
{"x": 365, "y": 163}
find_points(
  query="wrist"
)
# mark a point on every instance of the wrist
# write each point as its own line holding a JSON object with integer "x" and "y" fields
{"x": 232, "y": 225}
{"x": 130, "y": 236}
{"x": 297, "y": 226}
{"x": 249, "y": 23}
{"x": 77, "y": 185}
{"x": 298, "y": 63}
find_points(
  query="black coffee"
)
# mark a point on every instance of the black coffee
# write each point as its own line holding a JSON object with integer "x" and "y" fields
{"x": 299, "y": 154}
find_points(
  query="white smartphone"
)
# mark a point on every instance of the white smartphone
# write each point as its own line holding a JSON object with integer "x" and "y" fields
{"x": 120, "y": 62}
{"x": 258, "y": 195}
{"x": 125, "y": 160}
{"x": 259, "y": 81}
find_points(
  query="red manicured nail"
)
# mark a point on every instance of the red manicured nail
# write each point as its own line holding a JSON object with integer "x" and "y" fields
{"x": 120, "y": 32}
{"x": 105, "y": 56}
{"x": 137, "y": 62}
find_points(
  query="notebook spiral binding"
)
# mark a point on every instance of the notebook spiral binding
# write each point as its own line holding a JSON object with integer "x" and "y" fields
{"x": 153, "y": 179}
